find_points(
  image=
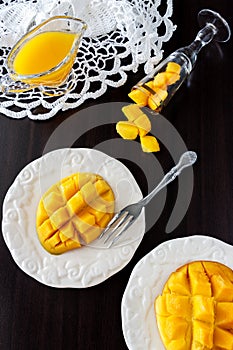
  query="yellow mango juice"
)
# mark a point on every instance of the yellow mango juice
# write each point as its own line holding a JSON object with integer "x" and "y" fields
{"x": 43, "y": 52}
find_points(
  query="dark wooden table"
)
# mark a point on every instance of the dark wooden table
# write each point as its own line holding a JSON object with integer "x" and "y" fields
{"x": 34, "y": 316}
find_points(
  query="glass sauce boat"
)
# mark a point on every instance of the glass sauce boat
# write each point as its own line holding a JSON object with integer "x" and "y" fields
{"x": 44, "y": 57}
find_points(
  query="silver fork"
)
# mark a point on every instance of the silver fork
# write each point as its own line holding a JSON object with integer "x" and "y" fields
{"x": 126, "y": 217}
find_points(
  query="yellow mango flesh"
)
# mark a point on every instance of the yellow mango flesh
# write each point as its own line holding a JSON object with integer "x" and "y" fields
{"x": 76, "y": 208}
{"x": 138, "y": 124}
{"x": 132, "y": 112}
{"x": 127, "y": 130}
{"x": 154, "y": 102}
{"x": 224, "y": 312}
{"x": 154, "y": 92}
{"x": 160, "y": 80}
{"x": 149, "y": 144}
{"x": 172, "y": 78}
{"x": 198, "y": 316}
{"x": 162, "y": 93}
{"x": 173, "y": 67}
{"x": 223, "y": 339}
{"x": 139, "y": 97}
{"x": 143, "y": 123}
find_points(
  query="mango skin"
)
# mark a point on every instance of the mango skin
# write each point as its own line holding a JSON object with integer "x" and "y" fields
{"x": 198, "y": 315}
{"x": 73, "y": 210}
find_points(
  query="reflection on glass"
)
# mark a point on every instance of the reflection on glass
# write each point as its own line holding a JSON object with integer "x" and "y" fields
{"x": 156, "y": 89}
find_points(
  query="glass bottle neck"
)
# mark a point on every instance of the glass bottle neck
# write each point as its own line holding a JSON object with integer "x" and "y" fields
{"x": 204, "y": 37}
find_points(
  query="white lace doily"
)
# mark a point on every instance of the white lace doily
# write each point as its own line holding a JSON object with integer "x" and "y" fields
{"x": 121, "y": 35}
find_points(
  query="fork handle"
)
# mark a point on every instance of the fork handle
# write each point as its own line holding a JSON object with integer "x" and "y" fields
{"x": 169, "y": 177}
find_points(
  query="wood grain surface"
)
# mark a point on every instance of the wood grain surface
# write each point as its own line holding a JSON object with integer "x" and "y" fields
{"x": 34, "y": 316}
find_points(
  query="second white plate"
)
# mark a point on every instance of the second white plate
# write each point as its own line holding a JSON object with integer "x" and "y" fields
{"x": 148, "y": 278}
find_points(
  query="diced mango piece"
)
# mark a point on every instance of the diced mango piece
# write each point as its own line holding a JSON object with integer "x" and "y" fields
{"x": 104, "y": 220}
{"x": 199, "y": 280}
{"x": 149, "y": 144}
{"x": 170, "y": 332}
{"x": 46, "y": 230}
{"x": 74, "y": 242}
{"x": 68, "y": 245}
{"x": 68, "y": 188}
{"x": 108, "y": 198}
{"x": 222, "y": 288}
{"x": 160, "y": 80}
{"x": 53, "y": 240}
{"x": 64, "y": 243}
{"x": 227, "y": 272}
{"x": 143, "y": 123}
{"x": 101, "y": 187}
{"x": 127, "y": 130}
{"x": 154, "y": 102}
{"x": 161, "y": 306}
{"x": 60, "y": 217}
{"x": 142, "y": 132}
{"x": 203, "y": 308}
{"x": 52, "y": 201}
{"x": 83, "y": 221}
{"x": 203, "y": 333}
{"x": 178, "y": 283}
{"x": 88, "y": 192}
{"x": 214, "y": 268}
{"x": 76, "y": 203}
{"x": 105, "y": 201}
{"x": 82, "y": 178}
{"x": 173, "y": 67}
{"x": 161, "y": 93}
{"x": 178, "y": 344}
{"x": 63, "y": 237}
{"x": 178, "y": 305}
{"x": 91, "y": 234}
{"x": 132, "y": 112}
{"x": 223, "y": 339}
{"x": 138, "y": 96}
{"x": 98, "y": 211}
{"x": 67, "y": 231}
{"x": 150, "y": 85}
{"x": 172, "y": 78}
{"x": 42, "y": 214}
{"x": 224, "y": 315}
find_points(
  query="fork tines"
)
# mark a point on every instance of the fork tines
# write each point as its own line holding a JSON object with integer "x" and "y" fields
{"x": 119, "y": 223}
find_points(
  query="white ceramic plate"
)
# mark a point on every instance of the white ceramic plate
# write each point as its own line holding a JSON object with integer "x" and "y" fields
{"x": 148, "y": 278}
{"x": 79, "y": 268}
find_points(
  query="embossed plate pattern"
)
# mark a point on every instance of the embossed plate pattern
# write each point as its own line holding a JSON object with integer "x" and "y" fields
{"x": 79, "y": 268}
{"x": 148, "y": 278}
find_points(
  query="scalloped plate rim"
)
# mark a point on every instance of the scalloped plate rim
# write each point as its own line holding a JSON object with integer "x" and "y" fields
{"x": 133, "y": 277}
{"x": 105, "y": 275}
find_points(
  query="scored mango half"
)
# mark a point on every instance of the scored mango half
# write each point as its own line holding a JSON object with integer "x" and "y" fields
{"x": 73, "y": 212}
{"x": 195, "y": 309}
